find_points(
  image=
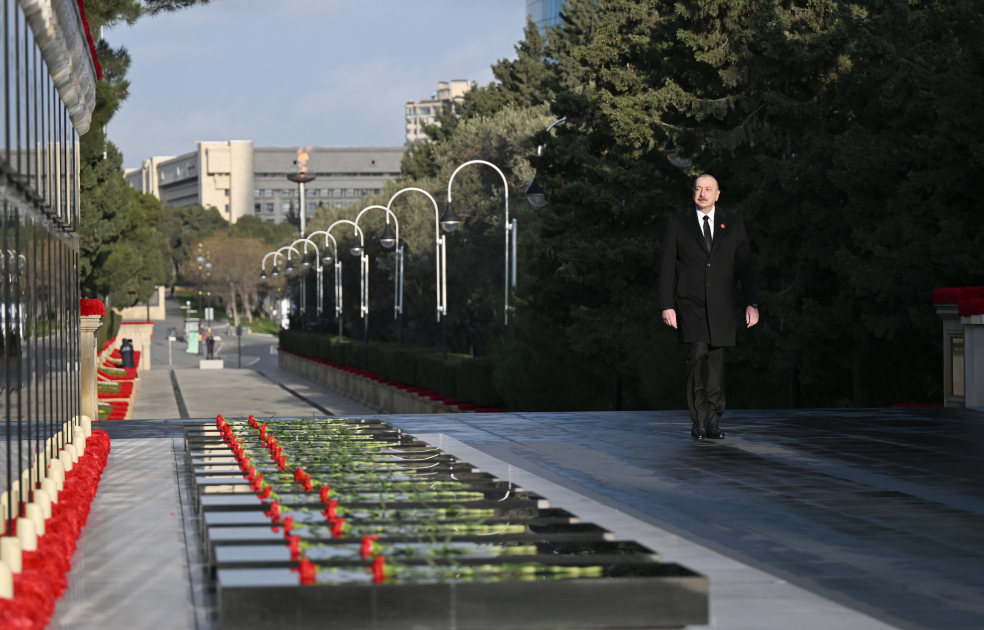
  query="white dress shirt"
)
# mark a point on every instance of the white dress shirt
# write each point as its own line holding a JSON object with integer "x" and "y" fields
{"x": 709, "y": 215}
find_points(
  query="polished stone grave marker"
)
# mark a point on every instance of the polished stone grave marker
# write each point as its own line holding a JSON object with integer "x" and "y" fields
{"x": 449, "y": 546}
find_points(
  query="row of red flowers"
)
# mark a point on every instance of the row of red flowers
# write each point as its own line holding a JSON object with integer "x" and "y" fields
{"x": 307, "y": 569}
{"x": 42, "y": 578}
{"x": 420, "y": 391}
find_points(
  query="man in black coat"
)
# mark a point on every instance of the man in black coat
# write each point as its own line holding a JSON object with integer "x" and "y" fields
{"x": 704, "y": 250}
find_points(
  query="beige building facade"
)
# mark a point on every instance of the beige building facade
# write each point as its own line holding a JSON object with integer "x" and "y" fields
{"x": 238, "y": 179}
{"x": 425, "y": 111}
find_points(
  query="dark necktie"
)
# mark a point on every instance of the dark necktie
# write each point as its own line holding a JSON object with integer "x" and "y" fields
{"x": 707, "y": 233}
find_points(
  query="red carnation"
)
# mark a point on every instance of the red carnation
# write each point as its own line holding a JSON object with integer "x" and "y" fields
{"x": 92, "y": 307}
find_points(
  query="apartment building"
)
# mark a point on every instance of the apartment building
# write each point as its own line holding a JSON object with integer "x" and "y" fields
{"x": 424, "y": 112}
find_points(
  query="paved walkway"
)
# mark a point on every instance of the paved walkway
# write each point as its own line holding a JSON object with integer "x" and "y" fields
{"x": 131, "y": 567}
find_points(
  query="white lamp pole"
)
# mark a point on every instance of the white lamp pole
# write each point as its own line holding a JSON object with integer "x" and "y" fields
{"x": 510, "y": 228}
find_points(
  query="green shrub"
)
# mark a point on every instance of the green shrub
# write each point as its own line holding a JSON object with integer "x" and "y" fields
{"x": 474, "y": 382}
{"x": 403, "y": 365}
{"x": 381, "y": 359}
{"x": 429, "y": 372}
{"x": 324, "y": 347}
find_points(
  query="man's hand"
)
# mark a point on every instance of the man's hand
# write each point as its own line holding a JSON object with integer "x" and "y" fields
{"x": 751, "y": 316}
{"x": 669, "y": 317}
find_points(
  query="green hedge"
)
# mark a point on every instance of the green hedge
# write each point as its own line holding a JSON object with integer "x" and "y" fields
{"x": 109, "y": 329}
{"x": 474, "y": 383}
{"x": 468, "y": 379}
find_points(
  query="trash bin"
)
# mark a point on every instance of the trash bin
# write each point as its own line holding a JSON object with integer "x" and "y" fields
{"x": 126, "y": 353}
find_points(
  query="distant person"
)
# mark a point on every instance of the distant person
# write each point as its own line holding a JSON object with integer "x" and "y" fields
{"x": 210, "y": 340}
{"x": 704, "y": 249}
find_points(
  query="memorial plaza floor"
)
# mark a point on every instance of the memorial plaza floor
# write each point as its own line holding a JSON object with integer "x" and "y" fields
{"x": 869, "y": 518}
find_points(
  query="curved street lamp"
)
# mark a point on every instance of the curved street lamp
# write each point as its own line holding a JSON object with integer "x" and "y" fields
{"x": 305, "y": 265}
{"x": 390, "y": 239}
{"x": 535, "y": 194}
{"x": 364, "y": 275}
{"x": 329, "y": 258}
{"x": 440, "y": 257}
{"x": 288, "y": 266}
{"x": 453, "y": 222}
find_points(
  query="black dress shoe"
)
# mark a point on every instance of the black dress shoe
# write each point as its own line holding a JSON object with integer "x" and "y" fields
{"x": 715, "y": 434}
{"x": 698, "y": 433}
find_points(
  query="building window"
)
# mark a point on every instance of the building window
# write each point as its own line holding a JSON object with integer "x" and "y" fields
{"x": 285, "y": 192}
{"x": 226, "y": 192}
{"x": 227, "y": 208}
{"x": 312, "y": 206}
{"x": 267, "y": 193}
{"x": 338, "y": 192}
{"x": 338, "y": 204}
{"x": 256, "y": 193}
{"x": 269, "y": 207}
{"x": 350, "y": 192}
{"x": 325, "y": 192}
{"x": 256, "y": 207}
{"x": 285, "y": 207}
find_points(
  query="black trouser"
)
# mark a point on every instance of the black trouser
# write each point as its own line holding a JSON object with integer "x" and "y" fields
{"x": 705, "y": 384}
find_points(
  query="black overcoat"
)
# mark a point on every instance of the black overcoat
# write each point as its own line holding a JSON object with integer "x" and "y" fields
{"x": 699, "y": 284}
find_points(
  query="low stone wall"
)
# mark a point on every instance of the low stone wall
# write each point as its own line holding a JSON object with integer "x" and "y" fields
{"x": 373, "y": 394}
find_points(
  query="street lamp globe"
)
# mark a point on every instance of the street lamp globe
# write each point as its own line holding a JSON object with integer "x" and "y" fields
{"x": 355, "y": 247}
{"x": 290, "y": 266}
{"x": 208, "y": 266}
{"x": 388, "y": 238}
{"x": 305, "y": 263}
{"x": 263, "y": 274}
{"x": 536, "y": 195}
{"x": 275, "y": 273}
{"x": 450, "y": 221}
{"x": 327, "y": 258}
{"x": 200, "y": 260}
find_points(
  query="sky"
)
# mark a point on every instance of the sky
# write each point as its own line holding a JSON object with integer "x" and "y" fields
{"x": 299, "y": 72}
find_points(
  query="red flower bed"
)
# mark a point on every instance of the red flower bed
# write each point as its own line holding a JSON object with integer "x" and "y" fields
{"x": 92, "y": 307}
{"x": 956, "y": 294}
{"x": 126, "y": 389}
{"x": 42, "y": 581}
{"x": 971, "y": 306}
{"x": 131, "y": 373}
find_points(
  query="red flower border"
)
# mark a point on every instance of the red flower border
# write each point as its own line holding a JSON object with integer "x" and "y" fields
{"x": 42, "y": 581}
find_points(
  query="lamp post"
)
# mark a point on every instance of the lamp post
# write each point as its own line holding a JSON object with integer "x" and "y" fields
{"x": 305, "y": 265}
{"x": 535, "y": 194}
{"x": 441, "y": 263}
{"x": 201, "y": 263}
{"x": 359, "y": 240}
{"x": 389, "y": 239}
{"x": 301, "y": 179}
{"x": 450, "y": 222}
{"x": 208, "y": 290}
{"x": 328, "y": 259}
{"x": 289, "y": 269}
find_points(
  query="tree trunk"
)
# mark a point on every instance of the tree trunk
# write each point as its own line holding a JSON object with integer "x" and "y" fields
{"x": 232, "y": 304}
{"x": 247, "y": 305}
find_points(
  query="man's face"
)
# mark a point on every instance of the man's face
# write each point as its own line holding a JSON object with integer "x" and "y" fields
{"x": 706, "y": 193}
